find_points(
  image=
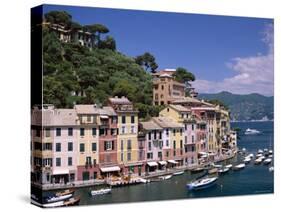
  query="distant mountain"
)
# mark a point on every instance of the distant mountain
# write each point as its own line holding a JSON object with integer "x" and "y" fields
{"x": 245, "y": 107}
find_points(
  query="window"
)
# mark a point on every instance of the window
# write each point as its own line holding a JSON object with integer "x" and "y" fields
{"x": 58, "y": 147}
{"x": 181, "y": 144}
{"x": 149, "y": 136}
{"x": 94, "y": 162}
{"x": 180, "y": 131}
{"x": 167, "y": 142}
{"x": 94, "y": 131}
{"x": 162, "y": 87}
{"x": 185, "y": 139}
{"x": 182, "y": 115}
{"x": 88, "y": 118}
{"x": 122, "y": 144}
{"x": 47, "y": 146}
{"x": 123, "y": 119}
{"x": 160, "y": 135}
{"x": 174, "y": 132}
{"x": 167, "y": 131}
{"x": 70, "y": 146}
{"x": 69, "y": 161}
{"x": 48, "y": 132}
{"x": 89, "y": 160}
{"x": 155, "y": 135}
{"x": 149, "y": 145}
{"x": 174, "y": 144}
{"x": 185, "y": 126}
{"x": 149, "y": 155}
{"x": 123, "y": 130}
{"x": 160, "y": 155}
{"x": 122, "y": 156}
{"x": 58, "y": 161}
{"x": 129, "y": 156}
{"x": 82, "y": 131}
{"x": 167, "y": 154}
{"x": 192, "y": 127}
{"x": 132, "y": 129}
{"x": 132, "y": 119}
{"x": 192, "y": 139}
{"x": 102, "y": 132}
{"x": 108, "y": 145}
{"x": 37, "y": 132}
{"x": 129, "y": 144}
{"x": 58, "y": 131}
{"x": 82, "y": 147}
{"x": 168, "y": 109}
{"x": 94, "y": 147}
{"x": 70, "y": 131}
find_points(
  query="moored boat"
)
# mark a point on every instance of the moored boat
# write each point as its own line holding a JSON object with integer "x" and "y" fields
{"x": 213, "y": 171}
{"x": 59, "y": 196}
{"x": 260, "y": 151}
{"x": 258, "y": 161}
{"x": 271, "y": 168}
{"x": 223, "y": 170}
{"x": 178, "y": 173}
{"x": 228, "y": 166}
{"x": 216, "y": 165}
{"x": 101, "y": 191}
{"x": 202, "y": 183}
{"x": 166, "y": 177}
{"x": 267, "y": 161}
{"x": 270, "y": 152}
{"x": 196, "y": 170}
{"x": 250, "y": 155}
{"x": 247, "y": 160}
{"x": 239, "y": 166}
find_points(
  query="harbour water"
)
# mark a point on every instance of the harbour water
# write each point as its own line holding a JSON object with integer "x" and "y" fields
{"x": 254, "y": 179}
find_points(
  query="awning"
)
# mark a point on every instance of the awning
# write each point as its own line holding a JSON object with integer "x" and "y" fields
{"x": 152, "y": 163}
{"x": 173, "y": 161}
{"x": 60, "y": 171}
{"x": 110, "y": 169}
{"x": 104, "y": 117}
{"x": 133, "y": 164}
{"x": 162, "y": 163}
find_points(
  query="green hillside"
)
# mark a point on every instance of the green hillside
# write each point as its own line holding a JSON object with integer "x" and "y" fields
{"x": 244, "y": 107}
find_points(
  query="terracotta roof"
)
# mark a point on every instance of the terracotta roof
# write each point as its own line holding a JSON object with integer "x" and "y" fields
{"x": 109, "y": 111}
{"x": 57, "y": 117}
{"x": 86, "y": 109}
{"x": 187, "y": 99}
{"x": 150, "y": 125}
{"x": 180, "y": 108}
{"x": 166, "y": 122}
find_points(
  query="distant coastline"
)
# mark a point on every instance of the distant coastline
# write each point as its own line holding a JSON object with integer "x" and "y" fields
{"x": 261, "y": 120}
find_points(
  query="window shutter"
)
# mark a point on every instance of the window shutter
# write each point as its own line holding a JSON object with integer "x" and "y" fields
{"x": 112, "y": 145}
{"x": 105, "y": 146}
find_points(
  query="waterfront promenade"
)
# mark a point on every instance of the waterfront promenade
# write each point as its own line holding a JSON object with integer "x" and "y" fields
{"x": 134, "y": 179}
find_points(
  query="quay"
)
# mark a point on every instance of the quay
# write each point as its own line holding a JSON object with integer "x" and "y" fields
{"x": 118, "y": 181}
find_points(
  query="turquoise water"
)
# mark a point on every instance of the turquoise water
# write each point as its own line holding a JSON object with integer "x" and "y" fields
{"x": 254, "y": 179}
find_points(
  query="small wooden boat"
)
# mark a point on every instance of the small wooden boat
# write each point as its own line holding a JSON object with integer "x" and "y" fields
{"x": 59, "y": 196}
{"x": 196, "y": 170}
{"x": 213, "y": 171}
{"x": 267, "y": 161}
{"x": 72, "y": 201}
{"x": 223, "y": 170}
{"x": 166, "y": 177}
{"x": 101, "y": 191}
{"x": 247, "y": 160}
{"x": 228, "y": 166}
{"x": 239, "y": 166}
{"x": 178, "y": 173}
{"x": 258, "y": 161}
{"x": 202, "y": 183}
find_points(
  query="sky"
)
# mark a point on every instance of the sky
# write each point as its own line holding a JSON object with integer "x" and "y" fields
{"x": 224, "y": 53}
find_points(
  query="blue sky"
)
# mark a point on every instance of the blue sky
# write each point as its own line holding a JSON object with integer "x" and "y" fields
{"x": 217, "y": 49}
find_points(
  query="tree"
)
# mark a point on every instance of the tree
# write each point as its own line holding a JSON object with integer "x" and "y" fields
{"x": 108, "y": 43}
{"x": 96, "y": 30}
{"x": 147, "y": 61}
{"x": 59, "y": 17}
{"x": 183, "y": 76}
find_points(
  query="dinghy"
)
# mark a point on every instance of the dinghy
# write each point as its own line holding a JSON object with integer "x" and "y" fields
{"x": 247, "y": 160}
{"x": 223, "y": 170}
{"x": 228, "y": 166}
{"x": 59, "y": 196}
{"x": 166, "y": 177}
{"x": 101, "y": 191}
{"x": 267, "y": 161}
{"x": 258, "y": 161}
{"x": 178, "y": 173}
{"x": 239, "y": 166}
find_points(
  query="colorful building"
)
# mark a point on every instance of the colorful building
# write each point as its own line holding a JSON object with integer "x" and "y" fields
{"x": 127, "y": 139}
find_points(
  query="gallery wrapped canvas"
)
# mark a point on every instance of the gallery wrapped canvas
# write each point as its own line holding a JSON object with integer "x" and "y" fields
{"x": 132, "y": 106}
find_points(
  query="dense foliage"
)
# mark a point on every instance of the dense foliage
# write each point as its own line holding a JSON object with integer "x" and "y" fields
{"x": 77, "y": 74}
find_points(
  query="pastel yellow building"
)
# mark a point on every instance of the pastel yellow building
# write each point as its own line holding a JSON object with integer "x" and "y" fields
{"x": 127, "y": 138}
